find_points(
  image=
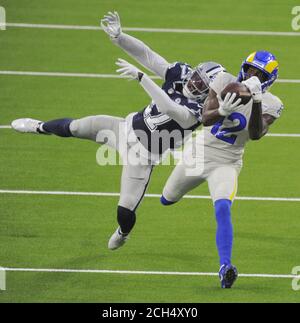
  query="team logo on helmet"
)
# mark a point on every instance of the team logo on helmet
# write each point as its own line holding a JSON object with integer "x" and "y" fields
{"x": 265, "y": 62}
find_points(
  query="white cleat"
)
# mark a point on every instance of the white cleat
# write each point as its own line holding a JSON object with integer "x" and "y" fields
{"x": 26, "y": 125}
{"x": 117, "y": 240}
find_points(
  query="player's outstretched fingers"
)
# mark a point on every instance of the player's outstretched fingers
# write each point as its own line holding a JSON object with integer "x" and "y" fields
{"x": 121, "y": 70}
{"x": 117, "y": 16}
{"x": 232, "y": 97}
{"x": 121, "y": 62}
{"x": 236, "y": 103}
{"x": 228, "y": 97}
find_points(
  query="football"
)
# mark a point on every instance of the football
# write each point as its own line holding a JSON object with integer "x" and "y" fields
{"x": 240, "y": 89}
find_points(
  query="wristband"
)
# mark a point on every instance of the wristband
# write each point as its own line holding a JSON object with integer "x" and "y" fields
{"x": 140, "y": 76}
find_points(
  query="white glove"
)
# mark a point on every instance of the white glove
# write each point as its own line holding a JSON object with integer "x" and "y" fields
{"x": 128, "y": 70}
{"x": 226, "y": 106}
{"x": 254, "y": 86}
{"x": 111, "y": 24}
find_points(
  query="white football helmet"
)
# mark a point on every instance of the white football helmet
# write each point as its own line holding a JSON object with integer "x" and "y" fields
{"x": 196, "y": 82}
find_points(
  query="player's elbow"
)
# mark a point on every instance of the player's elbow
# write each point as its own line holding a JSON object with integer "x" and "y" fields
{"x": 206, "y": 123}
{"x": 206, "y": 120}
{"x": 255, "y": 136}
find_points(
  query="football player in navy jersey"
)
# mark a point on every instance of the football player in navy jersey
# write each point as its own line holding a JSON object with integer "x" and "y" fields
{"x": 175, "y": 111}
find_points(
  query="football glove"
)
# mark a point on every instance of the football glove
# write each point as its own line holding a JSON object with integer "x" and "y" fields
{"x": 111, "y": 24}
{"x": 226, "y": 106}
{"x": 128, "y": 69}
{"x": 254, "y": 86}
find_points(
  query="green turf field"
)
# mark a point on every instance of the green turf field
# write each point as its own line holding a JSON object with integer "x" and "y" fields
{"x": 71, "y": 232}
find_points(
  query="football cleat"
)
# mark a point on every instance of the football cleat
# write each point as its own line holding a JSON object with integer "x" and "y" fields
{"x": 117, "y": 240}
{"x": 228, "y": 275}
{"x": 27, "y": 125}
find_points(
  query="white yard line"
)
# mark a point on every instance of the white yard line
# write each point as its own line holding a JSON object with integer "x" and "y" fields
{"x": 111, "y": 194}
{"x": 141, "y": 272}
{"x": 161, "y": 30}
{"x": 287, "y": 81}
{"x": 282, "y": 135}
{"x": 287, "y": 135}
{"x": 95, "y": 75}
{"x": 61, "y": 74}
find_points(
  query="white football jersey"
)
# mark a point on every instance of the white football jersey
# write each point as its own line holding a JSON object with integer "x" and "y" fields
{"x": 225, "y": 141}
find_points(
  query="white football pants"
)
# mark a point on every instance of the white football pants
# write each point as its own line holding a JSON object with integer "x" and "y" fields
{"x": 108, "y": 130}
{"x": 193, "y": 170}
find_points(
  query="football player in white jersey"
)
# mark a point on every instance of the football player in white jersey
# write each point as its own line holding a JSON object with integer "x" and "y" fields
{"x": 175, "y": 111}
{"x": 227, "y": 130}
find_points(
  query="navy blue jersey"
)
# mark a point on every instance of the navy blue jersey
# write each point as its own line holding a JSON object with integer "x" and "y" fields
{"x": 156, "y": 130}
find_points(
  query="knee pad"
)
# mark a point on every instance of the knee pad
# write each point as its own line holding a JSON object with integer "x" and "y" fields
{"x": 126, "y": 219}
{"x": 74, "y": 128}
{"x": 83, "y": 128}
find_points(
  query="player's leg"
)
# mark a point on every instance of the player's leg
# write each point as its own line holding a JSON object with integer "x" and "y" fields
{"x": 178, "y": 184}
{"x": 134, "y": 182}
{"x": 85, "y": 128}
{"x": 59, "y": 127}
{"x": 103, "y": 129}
{"x": 188, "y": 173}
{"x": 223, "y": 187}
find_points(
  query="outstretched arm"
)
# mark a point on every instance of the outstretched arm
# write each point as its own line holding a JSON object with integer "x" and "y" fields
{"x": 177, "y": 112}
{"x": 135, "y": 48}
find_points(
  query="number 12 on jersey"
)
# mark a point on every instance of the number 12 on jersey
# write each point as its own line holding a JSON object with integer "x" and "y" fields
{"x": 227, "y": 134}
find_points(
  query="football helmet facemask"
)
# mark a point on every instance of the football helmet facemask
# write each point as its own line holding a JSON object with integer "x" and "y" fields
{"x": 196, "y": 82}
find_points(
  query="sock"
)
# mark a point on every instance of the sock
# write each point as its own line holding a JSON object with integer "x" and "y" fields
{"x": 126, "y": 219}
{"x": 224, "y": 237}
{"x": 165, "y": 202}
{"x": 59, "y": 127}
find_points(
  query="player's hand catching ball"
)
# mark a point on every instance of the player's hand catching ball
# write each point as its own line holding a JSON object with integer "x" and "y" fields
{"x": 254, "y": 86}
{"x": 227, "y": 106}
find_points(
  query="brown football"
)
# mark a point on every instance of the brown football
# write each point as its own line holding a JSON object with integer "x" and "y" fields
{"x": 240, "y": 89}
